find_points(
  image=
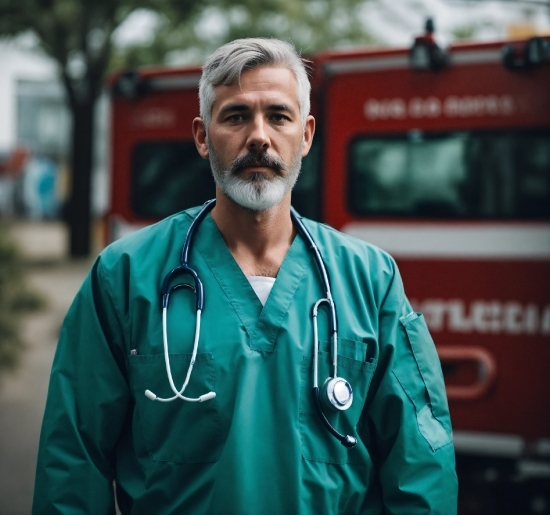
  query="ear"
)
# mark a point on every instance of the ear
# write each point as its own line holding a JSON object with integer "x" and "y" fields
{"x": 199, "y": 134}
{"x": 309, "y": 131}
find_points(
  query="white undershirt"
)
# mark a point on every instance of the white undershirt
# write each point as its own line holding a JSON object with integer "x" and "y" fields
{"x": 261, "y": 285}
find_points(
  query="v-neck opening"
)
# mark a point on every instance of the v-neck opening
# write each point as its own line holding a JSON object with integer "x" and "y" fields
{"x": 261, "y": 323}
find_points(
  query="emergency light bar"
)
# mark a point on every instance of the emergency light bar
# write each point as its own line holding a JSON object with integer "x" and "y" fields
{"x": 129, "y": 85}
{"x": 528, "y": 55}
{"x": 425, "y": 53}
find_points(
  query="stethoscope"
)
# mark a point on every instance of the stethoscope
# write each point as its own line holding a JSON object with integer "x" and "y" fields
{"x": 335, "y": 394}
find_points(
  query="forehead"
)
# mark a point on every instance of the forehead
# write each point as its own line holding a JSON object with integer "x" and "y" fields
{"x": 269, "y": 84}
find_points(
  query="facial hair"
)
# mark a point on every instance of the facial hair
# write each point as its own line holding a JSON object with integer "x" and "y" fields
{"x": 257, "y": 192}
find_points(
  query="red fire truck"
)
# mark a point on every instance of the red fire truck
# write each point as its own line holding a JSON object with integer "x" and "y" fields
{"x": 442, "y": 158}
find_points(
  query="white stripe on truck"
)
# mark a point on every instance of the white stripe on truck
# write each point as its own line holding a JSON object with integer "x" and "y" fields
{"x": 401, "y": 61}
{"x": 487, "y": 241}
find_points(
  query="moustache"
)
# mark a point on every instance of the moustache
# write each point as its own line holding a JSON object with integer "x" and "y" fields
{"x": 255, "y": 159}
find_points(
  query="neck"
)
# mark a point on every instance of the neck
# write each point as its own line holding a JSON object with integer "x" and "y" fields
{"x": 258, "y": 241}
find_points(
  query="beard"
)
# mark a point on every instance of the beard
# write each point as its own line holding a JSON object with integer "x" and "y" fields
{"x": 257, "y": 192}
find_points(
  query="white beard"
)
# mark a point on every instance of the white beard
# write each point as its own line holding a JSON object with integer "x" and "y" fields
{"x": 258, "y": 192}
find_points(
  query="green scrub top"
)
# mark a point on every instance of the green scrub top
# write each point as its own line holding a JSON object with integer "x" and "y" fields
{"x": 259, "y": 447}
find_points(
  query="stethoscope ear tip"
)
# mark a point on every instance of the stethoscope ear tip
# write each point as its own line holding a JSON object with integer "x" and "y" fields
{"x": 150, "y": 395}
{"x": 207, "y": 396}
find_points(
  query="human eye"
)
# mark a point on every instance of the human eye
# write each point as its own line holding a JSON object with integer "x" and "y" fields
{"x": 235, "y": 118}
{"x": 279, "y": 117}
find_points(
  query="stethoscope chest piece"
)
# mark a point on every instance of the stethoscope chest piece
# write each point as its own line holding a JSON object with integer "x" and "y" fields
{"x": 337, "y": 394}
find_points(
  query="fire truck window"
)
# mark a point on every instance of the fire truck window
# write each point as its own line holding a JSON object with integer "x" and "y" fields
{"x": 458, "y": 175}
{"x": 167, "y": 177}
{"x": 306, "y": 193}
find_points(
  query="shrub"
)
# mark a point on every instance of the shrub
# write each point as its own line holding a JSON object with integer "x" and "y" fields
{"x": 15, "y": 300}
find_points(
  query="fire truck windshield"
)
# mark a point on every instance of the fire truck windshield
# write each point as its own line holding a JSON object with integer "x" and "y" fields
{"x": 169, "y": 176}
{"x": 476, "y": 175}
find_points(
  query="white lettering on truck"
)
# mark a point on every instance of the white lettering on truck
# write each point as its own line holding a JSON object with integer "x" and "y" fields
{"x": 432, "y": 107}
{"x": 154, "y": 118}
{"x": 484, "y": 316}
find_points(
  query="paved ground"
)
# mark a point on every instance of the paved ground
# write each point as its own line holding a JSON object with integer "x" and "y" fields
{"x": 23, "y": 392}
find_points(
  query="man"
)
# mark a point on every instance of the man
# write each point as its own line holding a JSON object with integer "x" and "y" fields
{"x": 255, "y": 444}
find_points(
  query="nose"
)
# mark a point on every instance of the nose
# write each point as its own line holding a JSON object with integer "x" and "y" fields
{"x": 258, "y": 138}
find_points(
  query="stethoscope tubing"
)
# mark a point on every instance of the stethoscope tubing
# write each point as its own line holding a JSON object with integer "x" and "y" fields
{"x": 166, "y": 291}
{"x": 346, "y": 440}
{"x": 193, "y": 354}
{"x": 304, "y": 233}
{"x": 207, "y": 207}
{"x": 316, "y": 344}
{"x": 178, "y": 394}
{"x": 333, "y": 322}
{"x": 184, "y": 269}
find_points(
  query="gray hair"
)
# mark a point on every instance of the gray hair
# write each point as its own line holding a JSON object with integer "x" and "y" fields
{"x": 228, "y": 62}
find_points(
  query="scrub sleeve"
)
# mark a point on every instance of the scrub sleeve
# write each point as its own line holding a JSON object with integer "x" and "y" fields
{"x": 407, "y": 425}
{"x": 86, "y": 410}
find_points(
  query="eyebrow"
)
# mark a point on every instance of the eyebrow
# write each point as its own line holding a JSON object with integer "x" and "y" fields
{"x": 283, "y": 108}
{"x": 234, "y": 108}
{"x": 280, "y": 107}
{"x": 231, "y": 108}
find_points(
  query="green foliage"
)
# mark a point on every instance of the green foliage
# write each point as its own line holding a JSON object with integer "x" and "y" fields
{"x": 312, "y": 25}
{"x": 465, "y": 32}
{"x": 15, "y": 300}
{"x": 78, "y": 34}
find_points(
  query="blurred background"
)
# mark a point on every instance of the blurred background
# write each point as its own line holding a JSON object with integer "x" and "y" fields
{"x": 437, "y": 138}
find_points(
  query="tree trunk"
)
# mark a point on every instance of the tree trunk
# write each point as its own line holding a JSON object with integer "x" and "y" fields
{"x": 81, "y": 175}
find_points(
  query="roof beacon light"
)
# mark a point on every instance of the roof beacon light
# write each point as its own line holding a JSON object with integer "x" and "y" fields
{"x": 425, "y": 53}
{"x": 524, "y": 55}
{"x": 129, "y": 85}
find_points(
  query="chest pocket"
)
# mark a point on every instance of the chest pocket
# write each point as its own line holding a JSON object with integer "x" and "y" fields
{"x": 317, "y": 443}
{"x": 177, "y": 431}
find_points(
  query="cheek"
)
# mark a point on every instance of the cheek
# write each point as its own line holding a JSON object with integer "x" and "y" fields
{"x": 291, "y": 147}
{"x": 226, "y": 145}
